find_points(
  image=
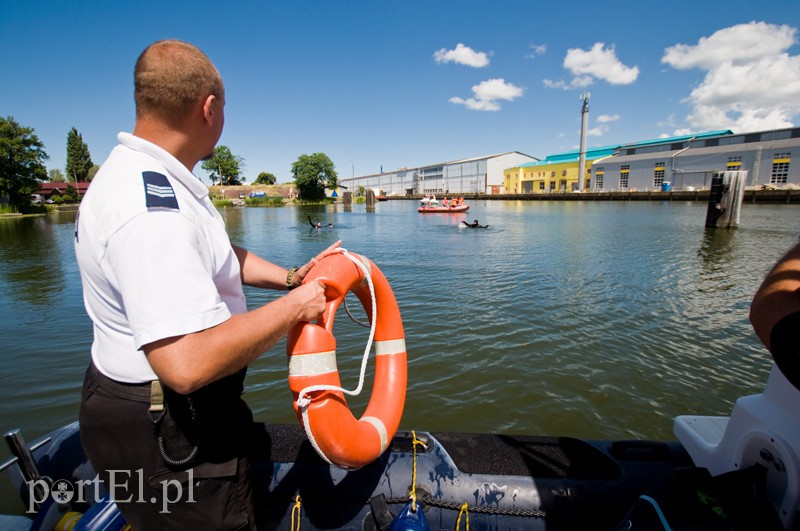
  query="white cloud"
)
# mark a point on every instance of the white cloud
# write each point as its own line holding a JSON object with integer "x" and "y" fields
{"x": 577, "y": 82}
{"x": 463, "y": 55}
{"x": 597, "y": 63}
{"x": 669, "y": 122}
{"x": 536, "y": 50}
{"x": 600, "y": 130}
{"x": 555, "y": 84}
{"x": 601, "y": 63}
{"x": 751, "y": 82}
{"x": 487, "y": 93}
{"x": 742, "y": 43}
{"x": 606, "y": 118}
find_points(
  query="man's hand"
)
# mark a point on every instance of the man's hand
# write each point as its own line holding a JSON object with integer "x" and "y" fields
{"x": 301, "y": 272}
{"x": 311, "y": 300}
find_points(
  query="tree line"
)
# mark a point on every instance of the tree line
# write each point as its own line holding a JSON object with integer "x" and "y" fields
{"x": 22, "y": 169}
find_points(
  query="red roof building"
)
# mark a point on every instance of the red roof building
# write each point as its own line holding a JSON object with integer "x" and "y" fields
{"x": 48, "y": 190}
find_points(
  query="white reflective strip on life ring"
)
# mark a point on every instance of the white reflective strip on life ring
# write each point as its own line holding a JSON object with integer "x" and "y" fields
{"x": 368, "y": 269}
{"x": 312, "y": 364}
{"x": 380, "y": 428}
{"x": 390, "y": 346}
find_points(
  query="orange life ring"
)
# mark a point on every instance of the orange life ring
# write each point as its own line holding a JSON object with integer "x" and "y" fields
{"x": 337, "y": 435}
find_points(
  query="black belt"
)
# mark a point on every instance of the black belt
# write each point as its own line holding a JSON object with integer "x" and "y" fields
{"x": 146, "y": 392}
{"x": 152, "y": 393}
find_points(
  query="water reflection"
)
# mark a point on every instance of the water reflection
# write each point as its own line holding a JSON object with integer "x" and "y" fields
{"x": 715, "y": 253}
{"x": 30, "y": 260}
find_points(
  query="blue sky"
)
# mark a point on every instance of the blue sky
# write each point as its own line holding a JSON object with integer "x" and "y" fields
{"x": 384, "y": 84}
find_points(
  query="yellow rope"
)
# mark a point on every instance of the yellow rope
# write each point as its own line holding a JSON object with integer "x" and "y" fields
{"x": 464, "y": 510}
{"x": 413, "y": 494}
{"x": 296, "y": 509}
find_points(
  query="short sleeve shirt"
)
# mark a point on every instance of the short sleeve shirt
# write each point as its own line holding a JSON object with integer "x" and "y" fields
{"x": 154, "y": 257}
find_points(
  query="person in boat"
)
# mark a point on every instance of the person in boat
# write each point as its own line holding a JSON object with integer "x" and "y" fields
{"x": 162, "y": 283}
{"x": 775, "y": 314}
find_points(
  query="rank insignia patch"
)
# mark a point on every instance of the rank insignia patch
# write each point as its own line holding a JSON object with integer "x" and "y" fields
{"x": 158, "y": 191}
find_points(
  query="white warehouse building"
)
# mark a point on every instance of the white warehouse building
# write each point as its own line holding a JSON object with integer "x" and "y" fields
{"x": 478, "y": 175}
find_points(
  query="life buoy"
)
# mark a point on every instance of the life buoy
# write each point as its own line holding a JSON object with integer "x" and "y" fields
{"x": 337, "y": 435}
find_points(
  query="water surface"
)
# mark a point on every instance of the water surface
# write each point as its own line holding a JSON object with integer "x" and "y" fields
{"x": 598, "y": 320}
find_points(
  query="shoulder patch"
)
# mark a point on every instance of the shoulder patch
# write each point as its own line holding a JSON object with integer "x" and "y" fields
{"x": 158, "y": 191}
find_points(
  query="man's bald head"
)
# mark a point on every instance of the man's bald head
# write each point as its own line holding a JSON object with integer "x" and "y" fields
{"x": 172, "y": 76}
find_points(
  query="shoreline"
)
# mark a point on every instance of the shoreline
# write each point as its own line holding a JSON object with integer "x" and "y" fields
{"x": 750, "y": 196}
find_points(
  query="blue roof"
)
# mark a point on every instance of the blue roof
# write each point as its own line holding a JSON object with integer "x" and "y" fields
{"x": 607, "y": 151}
{"x": 682, "y": 138}
{"x": 573, "y": 156}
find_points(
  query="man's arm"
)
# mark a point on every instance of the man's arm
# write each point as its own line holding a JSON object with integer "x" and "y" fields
{"x": 261, "y": 273}
{"x": 778, "y": 296}
{"x": 187, "y": 363}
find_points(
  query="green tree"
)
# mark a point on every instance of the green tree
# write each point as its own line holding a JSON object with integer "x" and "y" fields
{"x": 22, "y": 159}
{"x": 92, "y": 171}
{"x": 56, "y": 176}
{"x": 312, "y": 174}
{"x": 79, "y": 162}
{"x": 265, "y": 178}
{"x": 224, "y": 167}
{"x": 70, "y": 194}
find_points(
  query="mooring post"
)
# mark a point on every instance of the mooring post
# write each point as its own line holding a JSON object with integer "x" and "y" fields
{"x": 725, "y": 199}
{"x": 347, "y": 198}
{"x": 370, "y": 198}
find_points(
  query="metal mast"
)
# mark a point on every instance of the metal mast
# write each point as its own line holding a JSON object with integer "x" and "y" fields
{"x": 584, "y": 123}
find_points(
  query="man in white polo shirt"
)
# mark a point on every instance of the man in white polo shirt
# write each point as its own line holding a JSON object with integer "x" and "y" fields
{"x": 161, "y": 416}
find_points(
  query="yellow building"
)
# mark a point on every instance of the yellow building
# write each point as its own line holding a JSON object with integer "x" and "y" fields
{"x": 556, "y": 173}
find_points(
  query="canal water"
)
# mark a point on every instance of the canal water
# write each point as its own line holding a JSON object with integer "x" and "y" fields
{"x": 587, "y": 319}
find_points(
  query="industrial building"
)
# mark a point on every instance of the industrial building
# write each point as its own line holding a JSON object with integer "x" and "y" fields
{"x": 479, "y": 175}
{"x": 687, "y": 163}
{"x": 676, "y": 163}
{"x": 556, "y": 173}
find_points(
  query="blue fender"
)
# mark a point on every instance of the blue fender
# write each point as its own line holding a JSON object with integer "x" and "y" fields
{"x": 409, "y": 520}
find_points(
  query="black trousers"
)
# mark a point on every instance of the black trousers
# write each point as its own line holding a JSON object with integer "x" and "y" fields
{"x": 184, "y": 468}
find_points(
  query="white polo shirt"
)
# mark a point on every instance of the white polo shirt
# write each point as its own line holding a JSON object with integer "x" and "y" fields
{"x": 154, "y": 257}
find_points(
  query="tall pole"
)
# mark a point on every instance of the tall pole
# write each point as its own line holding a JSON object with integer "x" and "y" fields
{"x": 584, "y": 123}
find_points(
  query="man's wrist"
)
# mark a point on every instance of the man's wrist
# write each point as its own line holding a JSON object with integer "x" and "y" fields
{"x": 289, "y": 276}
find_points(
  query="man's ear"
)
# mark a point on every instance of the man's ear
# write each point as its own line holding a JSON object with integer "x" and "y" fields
{"x": 209, "y": 108}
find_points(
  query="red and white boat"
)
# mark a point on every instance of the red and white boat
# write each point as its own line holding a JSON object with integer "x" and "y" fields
{"x": 442, "y": 209}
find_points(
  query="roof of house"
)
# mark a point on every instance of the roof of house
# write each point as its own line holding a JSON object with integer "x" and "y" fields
{"x": 81, "y": 187}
